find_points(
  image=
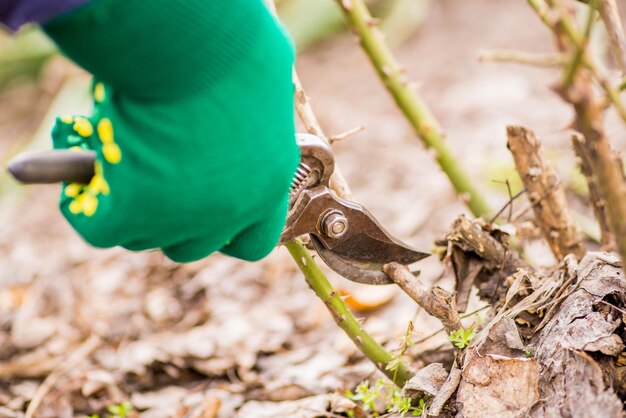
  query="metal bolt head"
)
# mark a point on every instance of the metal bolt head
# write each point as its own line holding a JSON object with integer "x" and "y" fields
{"x": 335, "y": 224}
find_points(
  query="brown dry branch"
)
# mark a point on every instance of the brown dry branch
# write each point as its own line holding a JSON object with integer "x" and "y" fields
{"x": 561, "y": 22}
{"x": 436, "y": 301}
{"x": 306, "y": 115}
{"x": 545, "y": 193}
{"x": 605, "y": 163}
{"x": 521, "y": 57}
{"x": 578, "y": 90}
{"x": 617, "y": 41}
{"x": 595, "y": 195}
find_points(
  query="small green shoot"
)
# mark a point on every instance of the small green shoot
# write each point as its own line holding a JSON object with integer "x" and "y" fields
{"x": 396, "y": 355}
{"x": 122, "y": 410}
{"x": 385, "y": 394}
{"x": 462, "y": 337}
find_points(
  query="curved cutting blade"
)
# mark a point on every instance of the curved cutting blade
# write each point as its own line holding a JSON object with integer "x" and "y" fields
{"x": 361, "y": 251}
{"x": 364, "y": 240}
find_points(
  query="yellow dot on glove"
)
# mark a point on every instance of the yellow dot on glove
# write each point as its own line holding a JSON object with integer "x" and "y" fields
{"x": 83, "y": 127}
{"x": 67, "y": 119}
{"x": 76, "y": 206}
{"x": 105, "y": 131}
{"x": 73, "y": 189}
{"x": 98, "y": 185}
{"x": 112, "y": 153}
{"x": 98, "y": 92}
{"x": 89, "y": 203}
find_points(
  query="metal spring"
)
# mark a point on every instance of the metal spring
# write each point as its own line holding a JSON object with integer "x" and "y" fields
{"x": 299, "y": 180}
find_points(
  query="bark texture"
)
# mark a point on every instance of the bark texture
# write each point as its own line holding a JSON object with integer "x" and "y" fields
{"x": 545, "y": 193}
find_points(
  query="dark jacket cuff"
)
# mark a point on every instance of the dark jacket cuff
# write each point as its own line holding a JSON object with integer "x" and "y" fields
{"x": 15, "y": 13}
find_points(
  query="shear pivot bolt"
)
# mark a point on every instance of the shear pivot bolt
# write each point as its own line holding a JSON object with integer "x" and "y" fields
{"x": 335, "y": 224}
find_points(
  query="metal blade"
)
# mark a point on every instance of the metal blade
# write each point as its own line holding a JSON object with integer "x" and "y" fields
{"x": 364, "y": 240}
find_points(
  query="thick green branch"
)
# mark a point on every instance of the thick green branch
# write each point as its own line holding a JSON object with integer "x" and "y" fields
{"x": 343, "y": 317}
{"x": 421, "y": 119}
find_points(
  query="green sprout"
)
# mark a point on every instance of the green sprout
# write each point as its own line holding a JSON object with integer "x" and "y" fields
{"x": 462, "y": 337}
{"x": 396, "y": 355}
{"x": 384, "y": 393}
{"x": 121, "y": 410}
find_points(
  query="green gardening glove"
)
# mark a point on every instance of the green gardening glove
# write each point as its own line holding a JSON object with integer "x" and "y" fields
{"x": 192, "y": 126}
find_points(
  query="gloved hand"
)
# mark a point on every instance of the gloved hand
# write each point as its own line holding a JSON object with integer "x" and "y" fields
{"x": 192, "y": 126}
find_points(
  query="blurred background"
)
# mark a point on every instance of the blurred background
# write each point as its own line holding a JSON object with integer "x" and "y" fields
{"x": 251, "y": 336}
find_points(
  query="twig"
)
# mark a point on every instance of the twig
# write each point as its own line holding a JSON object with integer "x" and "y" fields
{"x": 431, "y": 335}
{"x": 617, "y": 41}
{"x": 509, "y": 204}
{"x": 612, "y": 306}
{"x": 521, "y": 212}
{"x": 305, "y": 112}
{"x": 344, "y": 135}
{"x": 80, "y": 354}
{"x": 540, "y": 179}
{"x": 521, "y": 57}
{"x": 565, "y": 31}
{"x": 418, "y": 114}
{"x": 595, "y": 195}
{"x": 605, "y": 164}
{"x": 436, "y": 301}
{"x": 579, "y": 50}
{"x": 343, "y": 317}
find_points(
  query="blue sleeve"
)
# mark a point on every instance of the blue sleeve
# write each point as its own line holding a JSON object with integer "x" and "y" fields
{"x": 15, "y": 13}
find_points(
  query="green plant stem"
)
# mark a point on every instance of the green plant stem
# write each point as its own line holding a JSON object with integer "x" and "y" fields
{"x": 343, "y": 317}
{"x": 419, "y": 116}
{"x": 576, "y": 61}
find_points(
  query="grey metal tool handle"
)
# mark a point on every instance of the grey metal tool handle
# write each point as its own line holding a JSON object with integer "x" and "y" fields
{"x": 53, "y": 167}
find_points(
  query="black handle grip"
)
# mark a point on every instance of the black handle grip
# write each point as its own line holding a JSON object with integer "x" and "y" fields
{"x": 53, "y": 167}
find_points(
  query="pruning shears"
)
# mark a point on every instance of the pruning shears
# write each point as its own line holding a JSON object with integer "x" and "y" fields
{"x": 346, "y": 236}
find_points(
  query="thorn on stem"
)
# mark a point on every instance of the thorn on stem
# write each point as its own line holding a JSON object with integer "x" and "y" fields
{"x": 345, "y": 135}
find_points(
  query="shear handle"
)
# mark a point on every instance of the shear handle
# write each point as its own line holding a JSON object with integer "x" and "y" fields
{"x": 53, "y": 167}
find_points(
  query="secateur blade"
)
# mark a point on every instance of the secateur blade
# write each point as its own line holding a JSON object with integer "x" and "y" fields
{"x": 345, "y": 235}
